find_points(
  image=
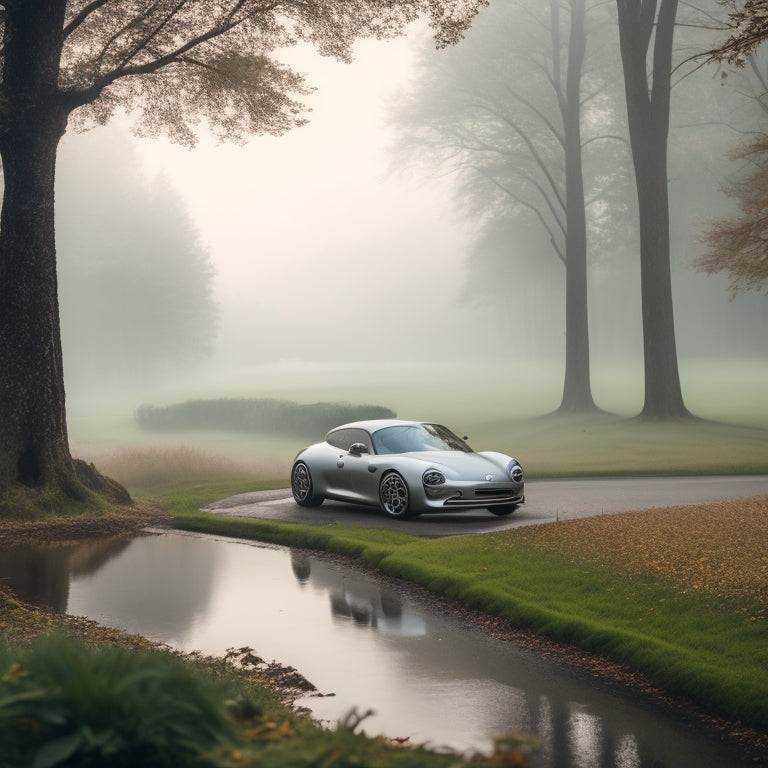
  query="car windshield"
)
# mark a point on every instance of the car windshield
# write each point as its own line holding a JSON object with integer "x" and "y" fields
{"x": 417, "y": 437}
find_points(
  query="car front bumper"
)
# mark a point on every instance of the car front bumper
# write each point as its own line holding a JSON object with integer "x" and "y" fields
{"x": 473, "y": 495}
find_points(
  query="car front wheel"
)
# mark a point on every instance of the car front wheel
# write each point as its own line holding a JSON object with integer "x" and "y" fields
{"x": 302, "y": 488}
{"x": 393, "y": 495}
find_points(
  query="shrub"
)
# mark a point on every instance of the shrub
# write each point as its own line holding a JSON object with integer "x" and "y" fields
{"x": 64, "y": 704}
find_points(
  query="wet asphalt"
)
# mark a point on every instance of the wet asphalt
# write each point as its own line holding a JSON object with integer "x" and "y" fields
{"x": 546, "y": 501}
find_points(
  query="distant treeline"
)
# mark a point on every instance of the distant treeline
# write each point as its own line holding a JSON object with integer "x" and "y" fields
{"x": 257, "y": 415}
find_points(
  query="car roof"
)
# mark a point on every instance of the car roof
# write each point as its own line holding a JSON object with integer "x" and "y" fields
{"x": 373, "y": 425}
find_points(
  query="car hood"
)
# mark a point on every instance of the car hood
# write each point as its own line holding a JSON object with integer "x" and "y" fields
{"x": 469, "y": 466}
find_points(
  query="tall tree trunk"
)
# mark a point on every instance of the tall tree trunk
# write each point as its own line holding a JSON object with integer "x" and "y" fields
{"x": 648, "y": 118}
{"x": 34, "y": 448}
{"x": 577, "y": 389}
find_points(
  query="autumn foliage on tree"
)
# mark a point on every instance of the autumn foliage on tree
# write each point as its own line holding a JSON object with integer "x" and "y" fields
{"x": 738, "y": 246}
{"x": 748, "y": 27}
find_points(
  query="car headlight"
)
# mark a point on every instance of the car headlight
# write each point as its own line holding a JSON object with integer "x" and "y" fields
{"x": 515, "y": 471}
{"x": 433, "y": 477}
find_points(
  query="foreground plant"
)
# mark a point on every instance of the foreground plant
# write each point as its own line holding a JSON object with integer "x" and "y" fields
{"x": 64, "y": 704}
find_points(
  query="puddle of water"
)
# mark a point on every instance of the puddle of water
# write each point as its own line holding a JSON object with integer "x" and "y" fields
{"x": 425, "y": 676}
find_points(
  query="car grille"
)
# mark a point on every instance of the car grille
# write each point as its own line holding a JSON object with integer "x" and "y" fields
{"x": 486, "y": 495}
{"x": 487, "y": 492}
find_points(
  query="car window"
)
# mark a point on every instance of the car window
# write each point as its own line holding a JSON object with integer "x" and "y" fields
{"x": 417, "y": 437}
{"x": 339, "y": 438}
{"x": 343, "y": 439}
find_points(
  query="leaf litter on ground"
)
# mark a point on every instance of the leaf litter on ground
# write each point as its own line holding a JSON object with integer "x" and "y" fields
{"x": 719, "y": 547}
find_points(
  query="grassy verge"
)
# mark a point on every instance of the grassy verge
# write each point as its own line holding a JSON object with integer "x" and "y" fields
{"x": 691, "y": 613}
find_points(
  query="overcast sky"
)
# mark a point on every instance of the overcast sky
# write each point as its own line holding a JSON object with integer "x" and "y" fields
{"x": 323, "y": 253}
{"x": 314, "y": 239}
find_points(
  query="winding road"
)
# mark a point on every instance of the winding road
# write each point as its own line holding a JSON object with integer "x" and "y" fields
{"x": 546, "y": 501}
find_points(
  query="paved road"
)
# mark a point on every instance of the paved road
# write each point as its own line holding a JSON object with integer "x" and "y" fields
{"x": 546, "y": 501}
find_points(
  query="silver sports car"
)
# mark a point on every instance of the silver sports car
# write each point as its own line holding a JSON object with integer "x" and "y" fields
{"x": 406, "y": 468}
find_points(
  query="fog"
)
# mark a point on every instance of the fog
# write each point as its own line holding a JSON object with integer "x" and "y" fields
{"x": 320, "y": 252}
{"x": 342, "y": 273}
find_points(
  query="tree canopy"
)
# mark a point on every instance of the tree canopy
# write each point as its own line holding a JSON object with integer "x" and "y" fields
{"x": 748, "y": 27}
{"x": 175, "y": 62}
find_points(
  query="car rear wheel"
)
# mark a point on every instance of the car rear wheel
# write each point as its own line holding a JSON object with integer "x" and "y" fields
{"x": 393, "y": 495}
{"x": 503, "y": 509}
{"x": 302, "y": 488}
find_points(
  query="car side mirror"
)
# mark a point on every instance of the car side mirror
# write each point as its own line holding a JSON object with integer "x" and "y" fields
{"x": 356, "y": 449}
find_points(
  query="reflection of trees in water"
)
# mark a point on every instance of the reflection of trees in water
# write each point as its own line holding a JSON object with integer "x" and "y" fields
{"x": 160, "y": 585}
{"x": 162, "y": 581}
{"x": 40, "y": 573}
{"x": 90, "y": 556}
{"x": 576, "y": 723}
{"x": 37, "y": 575}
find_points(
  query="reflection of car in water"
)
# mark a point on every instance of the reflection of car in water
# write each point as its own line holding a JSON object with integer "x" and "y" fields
{"x": 406, "y": 468}
{"x": 360, "y": 600}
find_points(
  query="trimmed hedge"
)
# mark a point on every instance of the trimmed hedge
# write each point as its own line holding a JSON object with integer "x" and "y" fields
{"x": 266, "y": 415}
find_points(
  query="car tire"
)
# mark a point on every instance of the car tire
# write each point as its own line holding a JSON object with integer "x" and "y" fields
{"x": 302, "y": 487}
{"x": 394, "y": 496}
{"x": 503, "y": 509}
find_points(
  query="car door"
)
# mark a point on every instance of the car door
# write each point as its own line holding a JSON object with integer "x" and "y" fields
{"x": 354, "y": 450}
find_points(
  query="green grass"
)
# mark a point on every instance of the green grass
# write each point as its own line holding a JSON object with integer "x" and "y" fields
{"x": 605, "y": 444}
{"x": 710, "y": 650}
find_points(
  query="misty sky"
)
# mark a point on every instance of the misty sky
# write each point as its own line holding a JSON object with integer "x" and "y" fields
{"x": 316, "y": 243}
{"x": 323, "y": 252}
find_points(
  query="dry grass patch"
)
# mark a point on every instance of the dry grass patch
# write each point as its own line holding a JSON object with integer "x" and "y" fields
{"x": 720, "y": 547}
{"x": 158, "y": 465}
